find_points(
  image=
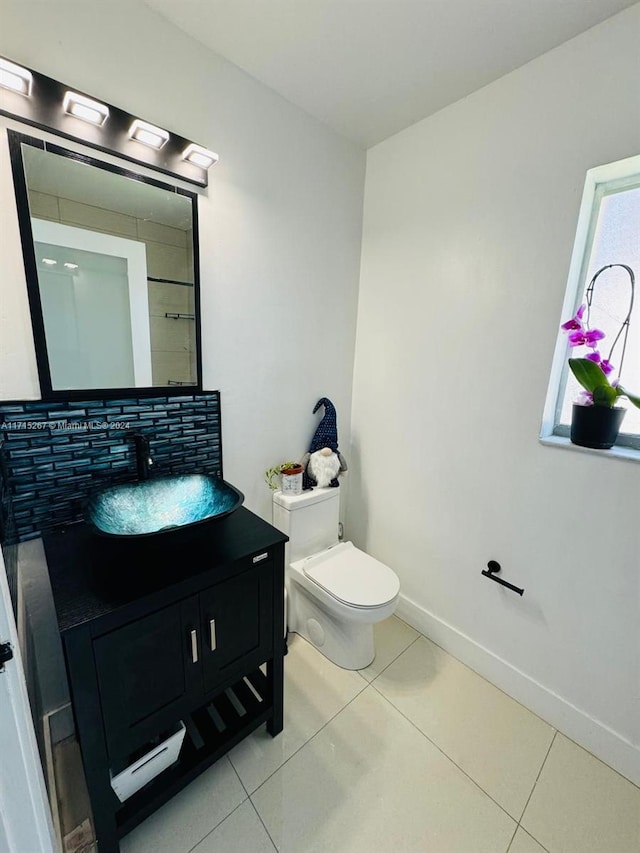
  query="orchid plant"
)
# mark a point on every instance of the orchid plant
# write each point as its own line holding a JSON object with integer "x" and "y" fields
{"x": 593, "y": 371}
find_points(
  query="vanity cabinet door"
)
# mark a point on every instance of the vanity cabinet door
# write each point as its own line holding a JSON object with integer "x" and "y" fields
{"x": 236, "y": 625}
{"x": 148, "y": 671}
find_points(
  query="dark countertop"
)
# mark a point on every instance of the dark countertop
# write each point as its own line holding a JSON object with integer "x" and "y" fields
{"x": 99, "y": 578}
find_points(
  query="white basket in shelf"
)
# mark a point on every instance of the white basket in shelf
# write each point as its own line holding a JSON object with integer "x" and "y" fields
{"x": 146, "y": 768}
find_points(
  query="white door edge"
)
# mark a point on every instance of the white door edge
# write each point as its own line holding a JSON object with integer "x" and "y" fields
{"x": 25, "y": 817}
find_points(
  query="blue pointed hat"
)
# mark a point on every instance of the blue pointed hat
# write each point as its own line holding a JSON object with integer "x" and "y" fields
{"x": 326, "y": 435}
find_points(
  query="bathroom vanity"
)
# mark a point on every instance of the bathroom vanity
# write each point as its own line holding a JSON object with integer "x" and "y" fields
{"x": 160, "y": 633}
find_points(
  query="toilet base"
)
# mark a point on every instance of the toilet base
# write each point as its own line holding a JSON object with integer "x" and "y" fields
{"x": 347, "y": 644}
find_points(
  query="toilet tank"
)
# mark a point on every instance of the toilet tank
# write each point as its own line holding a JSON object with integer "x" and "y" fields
{"x": 310, "y": 520}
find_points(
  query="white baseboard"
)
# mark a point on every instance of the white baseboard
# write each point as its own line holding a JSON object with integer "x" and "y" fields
{"x": 593, "y": 735}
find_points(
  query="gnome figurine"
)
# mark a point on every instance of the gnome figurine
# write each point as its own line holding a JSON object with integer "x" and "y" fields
{"x": 323, "y": 462}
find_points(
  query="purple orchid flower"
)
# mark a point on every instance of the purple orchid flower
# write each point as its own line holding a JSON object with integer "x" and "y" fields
{"x": 582, "y": 338}
{"x": 575, "y": 323}
{"x": 584, "y": 398}
{"x": 604, "y": 364}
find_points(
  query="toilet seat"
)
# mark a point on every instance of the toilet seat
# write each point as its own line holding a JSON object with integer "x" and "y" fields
{"x": 351, "y": 576}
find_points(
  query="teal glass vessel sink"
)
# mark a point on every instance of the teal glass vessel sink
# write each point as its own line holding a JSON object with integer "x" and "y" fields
{"x": 161, "y": 505}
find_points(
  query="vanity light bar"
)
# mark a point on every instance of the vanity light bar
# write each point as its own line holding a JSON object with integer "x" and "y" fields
{"x": 200, "y": 156}
{"x": 15, "y": 77}
{"x": 85, "y": 108}
{"x": 148, "y": 134}
{"x": 45, "y": 103}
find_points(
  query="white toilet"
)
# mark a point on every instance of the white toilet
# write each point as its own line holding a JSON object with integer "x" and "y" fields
{"x": 335, "y": 592}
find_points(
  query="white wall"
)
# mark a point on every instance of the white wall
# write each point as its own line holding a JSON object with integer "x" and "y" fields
{"x": 469, "y": 223}
{"x": 280, "y": 224}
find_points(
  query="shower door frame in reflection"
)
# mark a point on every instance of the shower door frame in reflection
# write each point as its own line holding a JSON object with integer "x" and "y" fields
{"x": 125, "y": 339}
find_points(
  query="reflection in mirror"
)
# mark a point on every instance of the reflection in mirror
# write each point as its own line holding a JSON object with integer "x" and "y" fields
{"x": 115, "y": 270}
{"x": 93, "y": 292}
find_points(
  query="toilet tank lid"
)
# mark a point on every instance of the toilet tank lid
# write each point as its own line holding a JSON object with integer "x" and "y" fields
{"x": 313, "y": 496}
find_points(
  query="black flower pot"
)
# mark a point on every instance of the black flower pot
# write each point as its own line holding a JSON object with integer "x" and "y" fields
{"x": 596, "y": 426}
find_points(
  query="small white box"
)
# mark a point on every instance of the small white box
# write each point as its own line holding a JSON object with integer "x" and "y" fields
{"x": 146, "y": 768}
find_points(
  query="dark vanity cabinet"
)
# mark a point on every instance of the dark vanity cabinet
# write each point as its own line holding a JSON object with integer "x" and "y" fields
{"x": 159, "y": 634}
{"x": 149, "y": 668}
{"x": 144, "y": 675}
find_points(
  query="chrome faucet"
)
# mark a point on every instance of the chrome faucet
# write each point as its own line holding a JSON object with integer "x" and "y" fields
{"x": 143, "y": 455}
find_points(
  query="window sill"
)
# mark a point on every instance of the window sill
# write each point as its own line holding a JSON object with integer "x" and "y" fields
{"x": 629, "y": 454}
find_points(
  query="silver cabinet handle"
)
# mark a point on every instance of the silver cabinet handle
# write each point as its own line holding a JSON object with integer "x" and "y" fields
{"x": 194, "y": 646}
{"x": 212, "y": 631}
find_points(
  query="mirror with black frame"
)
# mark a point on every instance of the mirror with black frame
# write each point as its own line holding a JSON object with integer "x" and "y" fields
{"x": 111, "y": 263}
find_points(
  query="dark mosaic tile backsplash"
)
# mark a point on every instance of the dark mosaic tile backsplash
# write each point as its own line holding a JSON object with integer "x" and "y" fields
{"x": 52, "y": 454}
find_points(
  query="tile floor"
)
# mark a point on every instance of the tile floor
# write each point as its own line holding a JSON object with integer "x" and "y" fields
{"x": 415, "y": 753}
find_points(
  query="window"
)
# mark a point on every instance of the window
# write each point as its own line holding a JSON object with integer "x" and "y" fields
{"x": 608, "y": 233}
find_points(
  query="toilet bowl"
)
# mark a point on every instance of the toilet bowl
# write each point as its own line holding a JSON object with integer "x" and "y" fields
{"x": 335, "y": 593}
{"x": 336, "y": 597}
